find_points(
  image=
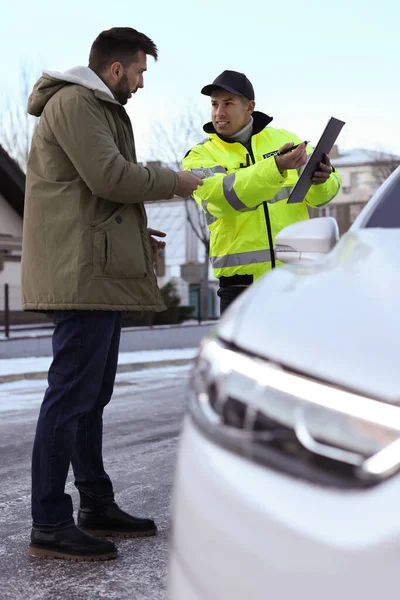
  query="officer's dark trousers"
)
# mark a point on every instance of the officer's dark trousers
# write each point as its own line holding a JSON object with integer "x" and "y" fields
{"x": 231, "y": 287}
{"x": 228, "y": 295}
{"x": 70, "y": 424}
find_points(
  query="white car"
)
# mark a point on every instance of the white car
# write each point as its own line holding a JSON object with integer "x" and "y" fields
{"x": 288, "y": 478}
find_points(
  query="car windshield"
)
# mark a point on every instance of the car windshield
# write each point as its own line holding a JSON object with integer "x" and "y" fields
{"x": 386, "y": 213}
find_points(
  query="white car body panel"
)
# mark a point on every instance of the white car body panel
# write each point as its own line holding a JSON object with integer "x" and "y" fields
{"x": 243, "y": 526}
{"x": 319, "y": 317}
{"x": 242, "y": 531}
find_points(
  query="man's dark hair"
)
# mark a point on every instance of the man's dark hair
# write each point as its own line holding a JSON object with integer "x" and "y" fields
{"x": 119, "y": 44}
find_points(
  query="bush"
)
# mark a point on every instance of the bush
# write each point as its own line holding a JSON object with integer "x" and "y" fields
{"x": 175, "y": 313}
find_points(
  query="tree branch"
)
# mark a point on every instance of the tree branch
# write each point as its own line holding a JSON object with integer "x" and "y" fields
{"x": 16, "y": 126}
{"x": 383, "y": 166}
{"x": 190, "y": 219}
{"x": 170, "y": 144}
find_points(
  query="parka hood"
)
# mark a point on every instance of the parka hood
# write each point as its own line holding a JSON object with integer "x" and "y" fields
{"x": 52, "y": 81}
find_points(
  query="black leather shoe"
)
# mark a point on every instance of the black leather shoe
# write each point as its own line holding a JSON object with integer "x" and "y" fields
{"x": 70, "y": 543}
{"x": 105, "y": 518}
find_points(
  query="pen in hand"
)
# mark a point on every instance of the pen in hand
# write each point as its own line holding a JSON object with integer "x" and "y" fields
{"x": 277, "y": 153}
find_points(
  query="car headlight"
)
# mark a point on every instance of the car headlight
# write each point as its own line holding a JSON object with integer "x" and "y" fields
{"x": 305, "y": 427}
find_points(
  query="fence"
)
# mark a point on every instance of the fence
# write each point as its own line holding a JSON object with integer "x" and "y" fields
{"x": 10, "y": 302}
{"x": 13, "y": 319}
{"x": 11, "y": 315}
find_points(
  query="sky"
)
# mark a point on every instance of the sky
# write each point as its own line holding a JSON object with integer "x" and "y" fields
{"x": 308, "y": 60}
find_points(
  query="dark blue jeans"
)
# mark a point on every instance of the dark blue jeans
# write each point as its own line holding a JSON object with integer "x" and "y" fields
{"x": 70, "y": 426}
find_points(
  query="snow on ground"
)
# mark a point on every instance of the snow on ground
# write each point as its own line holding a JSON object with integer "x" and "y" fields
{"x": 25, "y": 394}
{"x": 27, "y": 334}
{"x": 32, "y": 364}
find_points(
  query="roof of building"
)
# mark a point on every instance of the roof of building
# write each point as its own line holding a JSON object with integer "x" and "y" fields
{"x": 360, "y": 156}
{"x": 12, "y": 182}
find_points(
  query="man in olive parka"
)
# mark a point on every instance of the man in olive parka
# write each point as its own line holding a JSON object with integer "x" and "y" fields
{"x": 87, "y": 258}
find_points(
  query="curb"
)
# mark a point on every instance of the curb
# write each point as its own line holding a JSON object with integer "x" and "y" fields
{"x": 124, "y": 368}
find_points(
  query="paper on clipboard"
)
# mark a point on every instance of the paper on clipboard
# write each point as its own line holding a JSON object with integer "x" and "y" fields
{"x": 324, "y": 146}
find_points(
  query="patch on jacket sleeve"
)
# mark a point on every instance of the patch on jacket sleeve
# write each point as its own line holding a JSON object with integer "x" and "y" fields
{"x": 269, "y": 154}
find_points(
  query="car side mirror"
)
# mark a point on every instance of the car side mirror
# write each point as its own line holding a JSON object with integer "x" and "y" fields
{"x": 306, "y": 241}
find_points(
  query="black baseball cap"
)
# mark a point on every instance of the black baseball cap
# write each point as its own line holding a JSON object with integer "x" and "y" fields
{"x": 231, "y": 81}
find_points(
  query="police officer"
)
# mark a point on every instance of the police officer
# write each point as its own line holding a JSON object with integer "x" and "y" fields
{"x": 246, "y": 184}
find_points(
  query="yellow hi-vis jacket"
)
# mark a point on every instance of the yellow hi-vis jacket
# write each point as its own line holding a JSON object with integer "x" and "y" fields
{"x": 244, "y": 197}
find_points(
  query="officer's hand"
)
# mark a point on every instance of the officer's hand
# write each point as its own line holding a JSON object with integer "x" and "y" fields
{"x": 324, "y": 171}
{"x": 188, "y": 183}
{"x": 292, "y": 160}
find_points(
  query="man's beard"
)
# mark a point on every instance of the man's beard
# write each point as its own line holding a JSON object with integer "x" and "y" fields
{"x": 122, "y": 90}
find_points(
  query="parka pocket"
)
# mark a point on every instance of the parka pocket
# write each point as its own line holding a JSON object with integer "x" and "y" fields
{"x": 117, "y": 246}
{"x": 100, "y": 253}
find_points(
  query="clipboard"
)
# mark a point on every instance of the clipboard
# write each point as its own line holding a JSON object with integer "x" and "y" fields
{"x": 324, "y": 146}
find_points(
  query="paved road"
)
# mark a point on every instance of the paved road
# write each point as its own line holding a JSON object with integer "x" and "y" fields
{"x": 142, "y": 425}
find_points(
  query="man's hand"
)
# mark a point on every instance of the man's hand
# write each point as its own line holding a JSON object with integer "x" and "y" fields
{"x": 292, "y": 160}
{"x": 188, "y": 183}
{"x": 156, "y": 245}
{"x": 324, "y": 172}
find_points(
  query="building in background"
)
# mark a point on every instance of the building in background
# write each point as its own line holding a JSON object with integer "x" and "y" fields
{"x": 362, "y": 171}
{"x": 183, "y": 258}
{"x": 12, "y": 191}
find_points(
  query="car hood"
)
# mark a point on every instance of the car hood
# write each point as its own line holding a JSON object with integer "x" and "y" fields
{"x": 337, "y": 320}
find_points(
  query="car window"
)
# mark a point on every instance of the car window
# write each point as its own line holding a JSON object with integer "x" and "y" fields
{"x": 386, "y": 213}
